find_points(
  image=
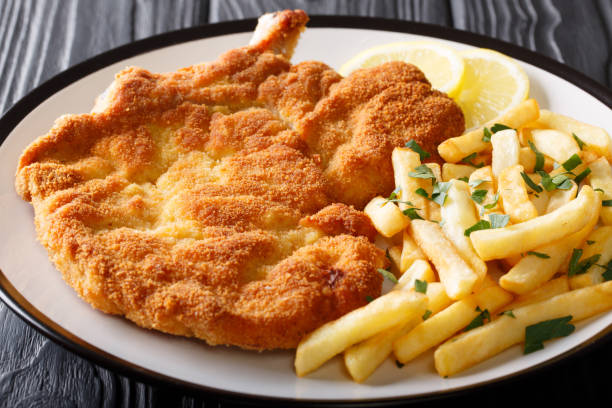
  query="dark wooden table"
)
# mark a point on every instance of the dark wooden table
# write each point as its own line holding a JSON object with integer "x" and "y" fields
{"x": 39, "y": 38}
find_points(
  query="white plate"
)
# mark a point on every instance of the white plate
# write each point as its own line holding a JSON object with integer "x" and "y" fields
{"x": 26, "y": 266}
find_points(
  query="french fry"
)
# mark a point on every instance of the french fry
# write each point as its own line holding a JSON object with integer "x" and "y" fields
{"x": 395, "y": 253}
{"x": 451, "y": 171}
{"x": 433, "y": 209}
{"x": 410, "y": 252}
{"x": 449, "y": 321}
{"x": 540, "y": 201}
{"x": 506, "y": 150}
{"x": 394, "y": 308}
{"x": 601, "y": 178}
{"x": 513, "y": 191}
{"x": 532, "y": 270}
{"x": 600, "y": 244}
{"x": 527, "y": 159}
{"x": 405, "y": 161}
{"x": 455, "y": 274}
{"x": 479, "y": 344}
{"x": 596, "y": 139}
{"x": 551, "y": 288}
{"x": 484, "y": 176}
{"x": 559, "y": 198}
{"x": 518, "y": 238}
{"x": 362, "y": 359}
{"x": 420, "y": 270}
{"x": 555, "y": 144}
{"x": 459, "y": 214}
{"x": 456, "y": 148}
{"x": 385, "y": 216}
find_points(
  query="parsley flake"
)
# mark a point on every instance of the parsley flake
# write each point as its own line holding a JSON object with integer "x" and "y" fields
{"x": 589, "y": 242}
{"x": 427, "y": 314}
{"x": 421, "y": 191}
{"x": 420, "y": 286}
{"x": 412, "y": 213}
{"x": 538, "y": 254}
{"x": 469, "y": 160}
{"x": 578, "y": 267}
{"x": 580, "y": 142}
{"x": 479, "y": 320}
{"x": 479, "y": 195}
{"x": 369, "y": 298}
{"x": 480, "y": 225}
{"x": 486, "y": 135}
{"x": 465, "y": 179}
{"x": 537, "y": 333}
{"x": 606, "y": 203}
{"x": 415, "y": 147}
{"x": 582, "y": 175}
{"x": 607, "y": 274}
{"x": 440, "y": 191}
{"x": 498, "y": 126}
{"x": 423, "y": 172}
{"x": 562, "y": 182}
{"x": 499, "y": 220}
{"x": 388, "y": 275}
{"x": 508, "y": 313}
{"x": 398, "y": 364}
{"x": 531, "y": 183}
{"x": 572, "y": 162}
{"x": 493, "y": 203}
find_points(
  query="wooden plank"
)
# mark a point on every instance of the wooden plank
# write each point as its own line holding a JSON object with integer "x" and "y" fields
{"x": 430, "y": 11}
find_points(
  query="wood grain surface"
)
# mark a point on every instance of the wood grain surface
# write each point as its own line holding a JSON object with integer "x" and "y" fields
{"x": 40, "y": 38}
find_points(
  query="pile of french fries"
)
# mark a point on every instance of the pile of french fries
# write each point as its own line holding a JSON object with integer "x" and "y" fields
{"x": 508, "y": 238}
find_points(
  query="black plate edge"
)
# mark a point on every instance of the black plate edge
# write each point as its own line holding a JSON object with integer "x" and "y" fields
{"x": 43, "y": 325}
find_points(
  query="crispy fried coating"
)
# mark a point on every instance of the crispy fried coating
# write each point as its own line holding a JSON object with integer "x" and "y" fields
{"x": 200, "y": 202}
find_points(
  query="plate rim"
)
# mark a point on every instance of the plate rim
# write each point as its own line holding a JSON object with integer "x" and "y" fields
{"x": 41, "y": 323}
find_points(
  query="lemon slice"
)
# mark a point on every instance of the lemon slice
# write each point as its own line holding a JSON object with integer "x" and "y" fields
{"x": 442, "y": 66}
{"x": 492, "y": 84}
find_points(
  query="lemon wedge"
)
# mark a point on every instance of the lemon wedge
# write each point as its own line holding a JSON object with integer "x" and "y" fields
{"x": 442, "y": 66}
{"x": 492, "y": 84}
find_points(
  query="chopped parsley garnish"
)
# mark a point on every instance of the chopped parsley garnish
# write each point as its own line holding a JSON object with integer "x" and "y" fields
{"x": 539, "y": 164}
{"x": 537, "y": 333}
{"x": 582, "y": 175}
{"x": 530, "y": 183}
{"x": 572, "y": 162}
{"x": 412, "y": 213}
{"x": 388, "y": 275}
{"x": 479, "y": 320}
{"x": 464, "y": 179}
{"x": 415, "y": 147}
{"x": 580, "y": 142}
{"x": 479, "y": 195}
{"x": 439, "y": 192}
{"x": 498, "y": 126}
{"x": 469, "y": 160}
{"x": 508, "y": 313}
{"x": 427, "y": 314}
{"x": 369, "y": 298}
{"x": 562, "y": 182}
{"x": 420, "y": 286}
{"x": 607, "y": 274}
{"x": 480, "y": 225}
{"x": 486, "y": 135}
{"x": 499, "y": 220}
{"x": 599, "y": 189}
{"x": 547, "y": 181}
{"x": 477, "y": 182}
{"x": 421, "y": 191}
{"x": 606, "y": 203}
{"x": 423, "y": 172}
{"x": 578, "y": 267}
{"x": 538, "y": 254}
{"x": 590, "y": 242}
{"x": 493, "y": 203}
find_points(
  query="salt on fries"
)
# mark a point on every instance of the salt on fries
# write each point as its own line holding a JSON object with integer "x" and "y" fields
{"x": 529, "y": 235}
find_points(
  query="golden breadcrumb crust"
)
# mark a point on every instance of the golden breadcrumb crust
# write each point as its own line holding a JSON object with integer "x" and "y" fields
{"x": 197, "y": 202}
